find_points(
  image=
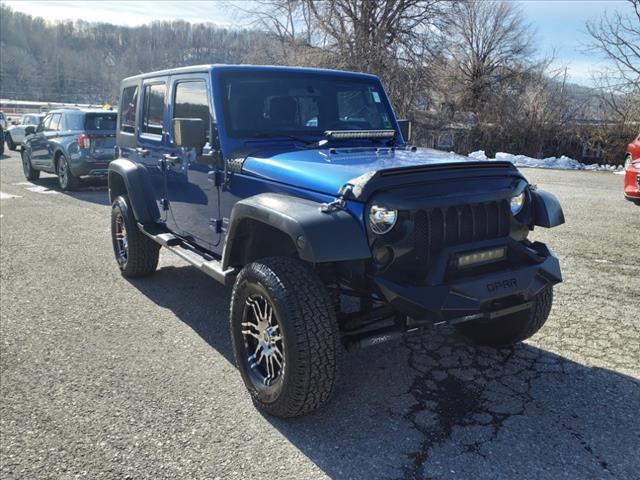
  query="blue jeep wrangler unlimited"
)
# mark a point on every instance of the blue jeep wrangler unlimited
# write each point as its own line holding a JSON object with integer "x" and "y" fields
{"x": 298, "y": 188}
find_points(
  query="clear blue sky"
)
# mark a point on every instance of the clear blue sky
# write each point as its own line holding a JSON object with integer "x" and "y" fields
{"x": 560, "y": 24}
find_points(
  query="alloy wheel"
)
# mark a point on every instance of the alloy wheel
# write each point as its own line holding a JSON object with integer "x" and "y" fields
{"x": 263, "y": 345}
{"x": 121, "y": 240}
{"x": 62, "y": 173}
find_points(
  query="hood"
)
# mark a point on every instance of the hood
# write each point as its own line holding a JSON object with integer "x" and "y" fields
{"x": 326, "y": 172}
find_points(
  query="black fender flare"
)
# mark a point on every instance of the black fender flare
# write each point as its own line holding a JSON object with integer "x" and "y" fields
{"x": 318, "y": 237}
{"x": 138, "y": 186}
{"x": 547, "y": 211}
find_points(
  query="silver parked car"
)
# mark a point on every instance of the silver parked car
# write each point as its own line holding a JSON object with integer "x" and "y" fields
{"x": 16, "y": 133}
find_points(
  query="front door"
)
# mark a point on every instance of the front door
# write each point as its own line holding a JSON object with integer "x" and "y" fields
{"x": 41, "y": 149}
{"x": 191, "y": 189}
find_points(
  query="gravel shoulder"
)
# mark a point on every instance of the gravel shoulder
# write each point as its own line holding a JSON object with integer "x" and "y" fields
{"x": 103, "y": 377}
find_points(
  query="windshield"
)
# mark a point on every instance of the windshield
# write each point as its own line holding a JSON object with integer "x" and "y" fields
{"x": 268, "y": 104}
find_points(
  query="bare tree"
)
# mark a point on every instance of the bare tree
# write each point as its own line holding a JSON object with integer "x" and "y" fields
{"x": 489, "y": 45}
{"x": 617, "y": 37}
{"x": 390, "y": 38}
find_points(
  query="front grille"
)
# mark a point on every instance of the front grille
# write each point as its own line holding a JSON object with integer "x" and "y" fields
{"x": 437, "y": 228}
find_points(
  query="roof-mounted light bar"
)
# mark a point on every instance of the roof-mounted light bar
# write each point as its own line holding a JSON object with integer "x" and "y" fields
{"x": 355, "y": 134}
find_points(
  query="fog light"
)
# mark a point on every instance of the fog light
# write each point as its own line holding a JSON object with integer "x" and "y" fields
{"x": 480, "y": 258}
{"x": 382, "y": 255}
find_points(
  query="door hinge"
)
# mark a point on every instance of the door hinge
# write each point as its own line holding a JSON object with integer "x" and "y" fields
{"x": 219, "y": 225}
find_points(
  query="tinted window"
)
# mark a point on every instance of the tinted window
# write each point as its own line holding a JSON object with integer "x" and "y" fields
{"x": 128, "y": 109}
{"x": 271, "y": 103}
{"x": 191, "y": 101}
{"x": 100, "y": 121}
{"x": 153, "y": 109}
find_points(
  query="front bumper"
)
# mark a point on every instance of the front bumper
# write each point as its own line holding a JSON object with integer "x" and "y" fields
{"x": 632, "y": 184}
{"x": 438, "y": 300}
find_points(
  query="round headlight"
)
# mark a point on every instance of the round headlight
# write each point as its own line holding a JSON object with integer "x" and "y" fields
{"x": 382, "y": 219}
{"x": 517, "y": 203}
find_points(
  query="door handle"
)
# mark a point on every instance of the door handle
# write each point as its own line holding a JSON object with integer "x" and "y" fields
{"x": 143, "y": 152}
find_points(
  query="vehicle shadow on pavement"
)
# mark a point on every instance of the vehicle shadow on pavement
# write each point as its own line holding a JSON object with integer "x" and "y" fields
{"x": 435, "y": 406}
{"x": 93, "y": 191}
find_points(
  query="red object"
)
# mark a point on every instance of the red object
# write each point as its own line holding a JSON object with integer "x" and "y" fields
{"x": 633, "y": 149}
{"x": 84, "y": 141}
{"x": 632, "y": 182}
{"x": 632, "y": 174}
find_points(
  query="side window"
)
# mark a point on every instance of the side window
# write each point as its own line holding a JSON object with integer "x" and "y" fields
{"x": 153, "y": 110}
{"x": 128, "y": 105}
{"x": 190, "y": 100}
{"x": 54, "y": 122}
{"x": 45, "y": 124}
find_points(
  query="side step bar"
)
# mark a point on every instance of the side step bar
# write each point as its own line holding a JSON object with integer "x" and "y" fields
{"x": 210, "y": 266}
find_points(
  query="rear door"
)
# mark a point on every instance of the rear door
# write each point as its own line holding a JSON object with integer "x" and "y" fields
{"x": 138, "y": 144}
{"x": 191, "y": 189}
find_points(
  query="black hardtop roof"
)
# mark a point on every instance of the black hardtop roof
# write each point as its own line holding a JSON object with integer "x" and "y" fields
{"x": 249, "y": 68}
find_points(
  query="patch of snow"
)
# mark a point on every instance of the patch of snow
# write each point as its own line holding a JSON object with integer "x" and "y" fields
{"x": 41, "y": 189}
{"x": 557, "y": 163}
{"x": 6, "y": 196}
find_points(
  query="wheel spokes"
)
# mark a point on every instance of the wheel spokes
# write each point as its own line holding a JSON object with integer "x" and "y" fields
{"x": 262, "y": 339}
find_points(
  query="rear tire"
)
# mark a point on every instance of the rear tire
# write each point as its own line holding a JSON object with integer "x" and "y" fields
{"x": 30, "y": 173}
{"x": 68, "y": 181}
{"x": 513, "y": 328}
{"x": 137, "y": 255}
{"x": 10, "y": 143}
{"x": 288, "y": 360}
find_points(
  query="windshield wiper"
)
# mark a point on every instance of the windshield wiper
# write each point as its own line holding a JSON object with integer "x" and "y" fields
{"x": 276, "y": 135}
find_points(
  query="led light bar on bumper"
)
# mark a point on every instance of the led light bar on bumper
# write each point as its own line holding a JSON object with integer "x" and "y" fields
{"x": 474, "y": 259}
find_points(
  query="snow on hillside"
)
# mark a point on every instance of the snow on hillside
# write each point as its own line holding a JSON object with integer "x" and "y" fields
{"x": 561, "y": 163}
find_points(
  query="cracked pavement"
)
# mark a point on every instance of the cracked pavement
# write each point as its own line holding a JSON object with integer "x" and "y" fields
{"x": 107, "y": 378}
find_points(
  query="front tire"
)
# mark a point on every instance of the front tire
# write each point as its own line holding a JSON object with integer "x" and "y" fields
{"x": 513, "y": 328}
{"x": 285, "y": 336}
{"x": 68, "y": 181}
{"x": 137, "y": 255}
{"x": 30, "y": 173}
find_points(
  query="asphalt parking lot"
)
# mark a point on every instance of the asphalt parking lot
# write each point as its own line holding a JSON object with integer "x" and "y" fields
{"x": 103, "y": 377}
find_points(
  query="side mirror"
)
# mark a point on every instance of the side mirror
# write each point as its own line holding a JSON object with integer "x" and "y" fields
{"x": 189, "y": 133}
{"x": 15, "y": 122}
{"x": 30, "y": 130}
{"x": 405, "y": 129}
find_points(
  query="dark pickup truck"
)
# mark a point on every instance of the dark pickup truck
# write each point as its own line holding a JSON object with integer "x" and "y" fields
{"x": 297, "y": 187}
